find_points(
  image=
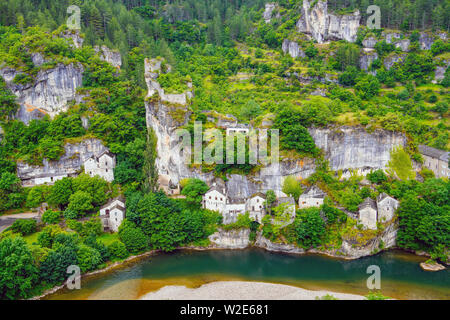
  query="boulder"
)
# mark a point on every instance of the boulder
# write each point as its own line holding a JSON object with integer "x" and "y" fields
{"x": 293, "y": 49}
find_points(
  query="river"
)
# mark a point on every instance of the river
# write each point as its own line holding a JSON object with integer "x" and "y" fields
{"x": 401, "y": 275}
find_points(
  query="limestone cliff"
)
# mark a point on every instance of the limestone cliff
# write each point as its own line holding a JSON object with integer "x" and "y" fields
{"x": 354, "y": 148}
{"x": 113, "y": 57}
{"x": 269, "y": 11}
{"x": 293, "y": 49}
{"x": 75, "y": 154}
{"x": 49, "y": 93}
{"x": 323, "y": 26}
{"x": 233, "y": 239}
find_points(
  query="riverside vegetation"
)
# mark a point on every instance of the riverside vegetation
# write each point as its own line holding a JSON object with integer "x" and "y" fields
{"x": 235, "y": 62}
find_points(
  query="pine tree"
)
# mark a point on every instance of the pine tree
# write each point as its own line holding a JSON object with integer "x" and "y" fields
{"x": 150, "y": 170}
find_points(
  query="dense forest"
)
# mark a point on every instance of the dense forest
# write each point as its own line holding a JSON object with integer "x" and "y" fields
{"x": 237, "y": 67}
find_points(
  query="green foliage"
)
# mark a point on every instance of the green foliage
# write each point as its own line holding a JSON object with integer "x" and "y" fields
{"x": 18, "y": 272}
{"x": 376, "y": 296}
{"x": 377, "y": 176}
{"x": 292, "y": 187}
{"x": 194, "y": 190}
{"x": 367, "y": 87}
{"x": 24, "y": 226}
{"x": 88, "y": 258}
{"x": 80, "y": 202}
{"x": 400, "y": 164}
{"x": 309, "y": 227}
{"x": 51, "y": 217}
{"x": 133, "y": 238}
{"x": 118, "y": 250}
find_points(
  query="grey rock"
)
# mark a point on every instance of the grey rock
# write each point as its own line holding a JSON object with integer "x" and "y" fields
{"x": 232, "y": 239}
{"x": 292, "y": 48}
{"x": 366, "y": 58}
{"x": 113, "y": 57}
{"x": 268, "y": 12}
{"x": 425, "y": 41}
{"x": 369, "y": 42}
{"x": 403, "y": 44}
{"x": 323, "y": 26}
{"x": 390, "y": 60}
{"x": 391, "y": 37}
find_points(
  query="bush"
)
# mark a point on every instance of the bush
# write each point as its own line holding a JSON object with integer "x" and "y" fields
{"x": 24, "y": 226}
{"x": 51, "y": 217}
{"x": 377, "y": 176}
{"x": 133, "y": 237}
{"x": 88, "y": 258}
{"x": 118, "y": 250}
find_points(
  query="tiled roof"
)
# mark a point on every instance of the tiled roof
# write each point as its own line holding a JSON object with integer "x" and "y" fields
{"x": 368, "y": 203}
{"x": 433, "y": 152}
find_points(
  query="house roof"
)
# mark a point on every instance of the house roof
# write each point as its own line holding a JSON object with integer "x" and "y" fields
{"x": 258, "y": 194}
{"x": 313, "y": 192}
{"x": 286, "y": 200}
{"x": 237, "y": 201}
{"x": 119, "y": 198}
{"x": 215, "y": 188}
{"x": 106, "y": 152}
{"x": 368, "y": 203}
{"x": 433, "y": 152}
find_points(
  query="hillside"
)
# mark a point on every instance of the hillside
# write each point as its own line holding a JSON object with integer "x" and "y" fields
{"x": 90, "y": 116}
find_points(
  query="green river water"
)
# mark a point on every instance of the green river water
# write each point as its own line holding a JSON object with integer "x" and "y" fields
{"x": 401, "y": 275}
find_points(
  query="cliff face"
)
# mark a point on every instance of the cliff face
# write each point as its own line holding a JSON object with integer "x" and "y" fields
{"x": 323, "y": 26}
{"x": 292, "y": 48}
{"x": 113, "y": 57}
{"x": 50, "y": 92}
{"x": 69, "y": 164}
{"x": 233, "y": 239}
{"x": 354, "y": 148}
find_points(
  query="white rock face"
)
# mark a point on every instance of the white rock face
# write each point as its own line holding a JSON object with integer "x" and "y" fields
{"x": 268, "y": 12}
{"x": 323, "y": 26}
{"x": 111, "y": 56}
{"x": 74, "y": 35}
{"x": 48, "y": 94}
{"x": 392, "y": 59}
{"x": 353, "y": 148}
{"x": 367, "y": 57}
{"x": 292, "y": 48}
{"x": 403, "y": 45}
{"x": 233, "y": 239}
{"x": 369, "y": 42}
{"x": 68, "y": 165}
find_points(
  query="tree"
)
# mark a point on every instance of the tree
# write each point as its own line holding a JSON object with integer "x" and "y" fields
{"x": 309, "y": 227}
{"x": 53, "y": 269}
{"x": 271, "y": 198}
{"x": 88, "y": 258}
{"x": 194, "y": 190}
{"x": 292, "y": 187}
{"x": 51, "y": 217}
{"x": 80, "y": 202}
{"x": 367, "y": 87}
{"x": 400, "y": 164}
{"x": 118, "y": 250}
{"x": 133, "y": 237}
{"x": 377, "y": 176}
{"x": 18, "y": 272}
{"x": 61, "y": 192}
{"x": 24, "y": 226}
{"x": 150, "y": 171}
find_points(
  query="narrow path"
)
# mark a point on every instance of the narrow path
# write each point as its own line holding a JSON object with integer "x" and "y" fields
{"x": 7, "y": 220}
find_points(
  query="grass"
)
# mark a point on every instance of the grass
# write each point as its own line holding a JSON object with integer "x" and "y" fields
{"x": 32, "y": 238}
{"x": 108, "y": 238}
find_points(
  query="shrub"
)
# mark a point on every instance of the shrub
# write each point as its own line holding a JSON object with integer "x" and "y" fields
{"x": 88, "y": 258}
{"x": 24, "y": 226}
{"x": 51, "y": 217}
{"x": 133, "y": 237}
{"x": 118, "y": 250}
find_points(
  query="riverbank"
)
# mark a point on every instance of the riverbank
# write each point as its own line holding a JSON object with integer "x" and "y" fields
{"x": 244, "y": 290}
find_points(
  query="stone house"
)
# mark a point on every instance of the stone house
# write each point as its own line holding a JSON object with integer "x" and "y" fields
{"x": 436, "y": 160}
{"x": 44, "y": 178}
{"x": 112, "y": 214}
{"x": 102, "y": 166}
{"x": 368, "y": 214}
{"x": 233, "y": 209}
{"x": 312, "y": 197}
{"x": 255, "y": 206}
{"x": 215, "y": 199}
{"x": 386, "y": 207}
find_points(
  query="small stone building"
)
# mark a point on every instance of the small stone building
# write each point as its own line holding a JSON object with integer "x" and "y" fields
{"x": 368, "y": 214}
{"x": 386, "y": 207}
{"x": 255, "y": 206}
{"x": 215, "y": 199}
{"x": 312, "y": 197}
{"x": 436, "y": 160}
{"x": 112, "y": 214}
{"x": 102, "y": 166}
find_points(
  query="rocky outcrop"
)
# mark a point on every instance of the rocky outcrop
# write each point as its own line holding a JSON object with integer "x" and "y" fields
{"x": 432, "y": 266}
{"x": 391, "y": 37}
{"x": 366, "y": 58}
{"x": 113, "y": 57}
{"x": 353, "y": 249}
{"x": 292, "y": 48}
{"x": 50, "y": 91}
{"x": 370, "y": 42}
{"x": 354, "y": 148}
{"x": 232, "y": 239}
{"x": 426, "y": 40}
{"x": 323, "y": 26}
{"x": 74, "y": 35}
{"x": 403, "y": 44}
{"x": 75, "y": 154}
{"x": 268, "y": 245}
{"x": 268, "y": 12}
{"x": 392, "y": 59}
{"x": 441, "y": 67}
